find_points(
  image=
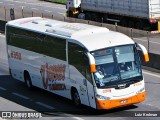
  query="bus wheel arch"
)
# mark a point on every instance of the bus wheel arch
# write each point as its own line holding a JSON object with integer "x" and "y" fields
{"x": 27, "y": 79}
{"x": 75, "y": 96}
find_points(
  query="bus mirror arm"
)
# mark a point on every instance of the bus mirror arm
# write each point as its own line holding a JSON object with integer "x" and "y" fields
{"x": 144, "y": 51}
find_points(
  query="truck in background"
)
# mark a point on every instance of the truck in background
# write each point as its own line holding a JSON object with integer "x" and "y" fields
{"x": 139, "y": 14}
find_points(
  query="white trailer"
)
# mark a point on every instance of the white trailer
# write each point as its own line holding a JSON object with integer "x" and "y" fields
{"x": 143, "y": 14}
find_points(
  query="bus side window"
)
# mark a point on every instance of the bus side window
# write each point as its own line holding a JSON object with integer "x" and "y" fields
{"x": 55, "y": 47}
{"x": 79, "y": 60}
{"x": 75, "y": 55}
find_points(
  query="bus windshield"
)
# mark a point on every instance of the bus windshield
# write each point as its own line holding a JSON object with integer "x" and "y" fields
{"x": 117, "y": 65}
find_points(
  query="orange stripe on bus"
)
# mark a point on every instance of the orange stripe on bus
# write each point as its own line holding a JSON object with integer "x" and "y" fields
{"x": 93, "y": 68}
{"x": 109, "y": 104}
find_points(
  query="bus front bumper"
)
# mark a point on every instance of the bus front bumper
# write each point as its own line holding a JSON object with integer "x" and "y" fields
{"x": 110, "y": 104}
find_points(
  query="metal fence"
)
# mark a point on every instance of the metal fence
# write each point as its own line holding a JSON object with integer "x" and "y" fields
{"x": 144, "y": 37}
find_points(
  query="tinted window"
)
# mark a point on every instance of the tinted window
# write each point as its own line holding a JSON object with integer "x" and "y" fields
{"x": 77, "y": 58}
{"x": 37, "y": 42}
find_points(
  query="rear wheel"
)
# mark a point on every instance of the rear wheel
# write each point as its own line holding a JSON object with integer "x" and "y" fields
{"x": 94, "y": 17}
{"x": 76, "y": 97}
{"x": 69, "y": 14}
{"x": 81, "y": 16}
{"x": 27, "y": 79}
{"x": 131, "y": 24}
{"x": 88, "y": 16}
{"x": 139, "y": 25}
{"x": 124, "y": 22}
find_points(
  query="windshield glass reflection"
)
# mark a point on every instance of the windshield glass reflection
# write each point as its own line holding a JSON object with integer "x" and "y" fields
{"x": 116, "y": 64}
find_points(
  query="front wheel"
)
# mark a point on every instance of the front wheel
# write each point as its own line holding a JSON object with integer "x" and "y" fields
{"x": 76, "y": 98}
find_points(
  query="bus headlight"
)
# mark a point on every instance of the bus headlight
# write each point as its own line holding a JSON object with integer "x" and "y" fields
{"x": 141, "y": 90}
{"x": 100, "y": 97}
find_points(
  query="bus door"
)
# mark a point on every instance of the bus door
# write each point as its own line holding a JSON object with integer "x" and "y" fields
{"x": 88, "y": 82}
{"x": 79, "y": 69}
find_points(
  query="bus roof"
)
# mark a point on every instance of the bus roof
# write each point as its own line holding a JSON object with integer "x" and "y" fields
{"x": 89, "y": 36}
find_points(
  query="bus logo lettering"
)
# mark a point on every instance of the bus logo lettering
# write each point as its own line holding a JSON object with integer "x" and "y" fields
{"x": 122, "y": 86}
{"x": 52, "y": 74}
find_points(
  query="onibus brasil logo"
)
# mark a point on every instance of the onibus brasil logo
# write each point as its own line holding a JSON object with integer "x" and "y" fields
{"x": 53, "y": 76}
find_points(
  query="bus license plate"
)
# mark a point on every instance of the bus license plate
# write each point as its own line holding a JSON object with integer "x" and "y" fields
{"x": 123, "y": 101}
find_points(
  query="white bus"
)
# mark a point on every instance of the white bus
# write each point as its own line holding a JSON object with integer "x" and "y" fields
{"x": 88, "y": 64}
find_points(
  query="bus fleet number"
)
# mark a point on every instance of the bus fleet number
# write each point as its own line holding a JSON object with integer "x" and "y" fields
{"x": 16, "y": 55}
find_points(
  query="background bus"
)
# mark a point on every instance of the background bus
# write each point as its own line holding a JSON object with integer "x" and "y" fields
{"x": 88, "y": 64}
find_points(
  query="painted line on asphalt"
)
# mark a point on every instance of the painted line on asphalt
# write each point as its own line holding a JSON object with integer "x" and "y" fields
{"x": 2, "y": 88}
{"x": 45, "y": 105}
{"x": 34, "y": 8}
{"x": 152, "y": 74}
{"x": 18, "y": 1}
{"x": 30, "y": 3}
{"x": 61, "y": 13}
{"x": 72, "y": 116}
{"x": 11, "y": 4}
{"x": 77, "y": 118}
{"x": 19, "y": 95}
{"x": 47, "y": 11}
{"x": 8, "y": 0}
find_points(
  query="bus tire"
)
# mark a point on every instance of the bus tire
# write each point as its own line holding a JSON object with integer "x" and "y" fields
{"x": 88, "y": 16}
{"x": 27, "y": 79}
{"x": 94, "y": 17}
{"x": 75, "y": 97}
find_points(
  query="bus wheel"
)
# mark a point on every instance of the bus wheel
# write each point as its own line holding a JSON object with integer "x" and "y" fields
{"x": 124, "y": 22}
{"x": 131, "y": 24}
{"x": 27, "y": 79}
{"x": 76, "y": 97}
{"x": 70, "y": 14}
{"x": 94, "y": 17}
{"x": 88, "y": 16}
{"x": 139, "y": 25}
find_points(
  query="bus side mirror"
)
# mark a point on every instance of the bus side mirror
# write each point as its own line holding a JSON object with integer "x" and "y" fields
{"x": 144, "y": 51}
